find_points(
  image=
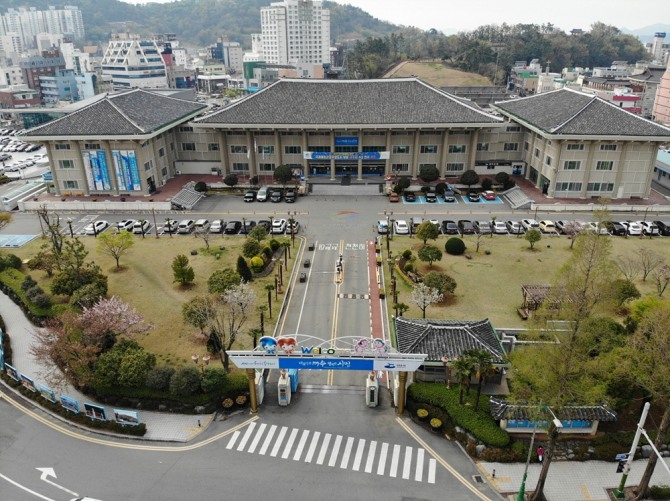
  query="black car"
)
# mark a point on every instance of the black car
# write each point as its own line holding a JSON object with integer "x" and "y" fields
{"x": 247, "y": 227}
{"x": 473, "y": 196}
{"x": 410, "y": 197}
{"x": 616, "y": 228}
{"x": 276, "y": 196}
{"x": 449, "y": 196}
{"x": 466, "y": 227}
{"x": 289, "y": 198}
{"x": 663, "y": 227}
{"x": 431, "y": 198}
{"x": 233, "y": 228}
{"x": 449, "y": 227}
{"x": 250, "y": 196}
{"x": 265, "y": 223}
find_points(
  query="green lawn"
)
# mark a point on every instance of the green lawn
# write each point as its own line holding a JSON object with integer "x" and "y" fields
{"x": 490, "y": 285}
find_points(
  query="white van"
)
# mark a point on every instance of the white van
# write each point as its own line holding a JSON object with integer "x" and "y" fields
{"x": 262, "y": 194}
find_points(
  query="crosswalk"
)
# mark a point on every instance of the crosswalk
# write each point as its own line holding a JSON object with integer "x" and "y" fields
{"x": 335, "y": 451}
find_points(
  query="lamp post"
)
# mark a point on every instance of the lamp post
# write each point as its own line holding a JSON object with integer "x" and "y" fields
{"x": 388, "y": 214}
{"x": 69, "y": 223}
{"x": 205, "y": 361}
{"x": 291, "y": 222}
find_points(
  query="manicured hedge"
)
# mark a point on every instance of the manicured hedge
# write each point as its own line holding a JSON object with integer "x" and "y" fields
{"x": 479, "y": 423}
{"x": 10, "y": 283}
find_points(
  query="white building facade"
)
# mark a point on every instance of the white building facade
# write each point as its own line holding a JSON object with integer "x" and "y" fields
{"x": 134, "y": 63}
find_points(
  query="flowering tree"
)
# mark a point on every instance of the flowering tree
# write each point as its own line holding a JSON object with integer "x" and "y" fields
{"x": 423, "y": 296}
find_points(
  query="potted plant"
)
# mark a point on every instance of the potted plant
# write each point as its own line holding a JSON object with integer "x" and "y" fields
{"x": 422, "y": 414}
{"x": 228, "y": 403}
{"x": 241, "y": 400}
{"x": 435, "y": 424}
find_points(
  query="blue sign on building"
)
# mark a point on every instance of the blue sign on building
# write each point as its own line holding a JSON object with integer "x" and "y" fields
{"x": 342, "y": 364}
{"x": 346, "y": 141}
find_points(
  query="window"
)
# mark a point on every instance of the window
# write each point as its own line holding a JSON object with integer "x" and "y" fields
{"x": 456, "y": 148}
{"x": 66, "y": 164}
{"x": 164, "y": 171}
{"x": 428, "y": 148}
{"x": 455, "y": 167}
{"x": 318, "y": 133}
{"x": 187, "y": 146}
{"x": 374, "y": 133}
{"x": 213, "y": 147}
{"x": 290, "y": 133}
{"x": 320, "y": 149}
{"x": 373, "y": 148}
{"x": 346, "y": 149}
{"x": 161, "y": 152}
{"x": 62, "y": 146}
{"x": 604, "y": 165}
{"x": 608, "y": 147}
{"x": 266, "y": 167}
{"x": 575, "y": 147}
{"x": 459, "y": 132}
{"x": 526, "y": 146}
{"x": 185, "y": 128}
{"x": 401, "y": 133}
{"x": 429, "y": 133}
{"x": 513, "y": 128}
{"x": 547, "y": 160}
{"x": 401, "y": 149}
{"x": 400, "y": 167}
{"x": 600, "y": 187}
{"x": 568, "y": 186}
{"x": 482, "y": 146}
{"x": 511, "y": 147}
{"x": 536, "y": 153}
{"x": 235, "y": 133}
{"x": 266, "y": 150}
{"x": 240, "y": 166}
{"x": 92, "y": 146}
{"x": 292, "y": 150}
{"x": 148, "y": 165}
{"x": 238, "y": 148}
{"x": 572, "y": 165}
{"x": 71, "y": 185}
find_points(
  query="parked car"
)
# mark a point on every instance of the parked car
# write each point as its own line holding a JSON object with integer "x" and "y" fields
{"x": 262, "y": 194}
{"x": 217, "y": 226}
{"x": 292, "y": 227}
{"x": 247, "y": 226}
{"x": 126, "y": 225}
{"x": 489, "y": 195}
{"x": 633, "y": 229}
{"x": 514, "y": 227}
{"x": 415, "y": 223}
{"x": 431, "y": 197}
{"x": 265, "y": 224}
{"x": 202, "y": 225}
{"x": 382, "y": 227}
{"x": 663, "y": 227}
{"x": 547, "y": 226}
{"x": 171, "y": 226}
{"x": 500, "y": 228}
{"x": 278, "y": 226}
{"x": 595, "y": 227}
{"x": 303, "y": 277}
{"x": 649, "y": 228}
{"x": 568, "y": 227}
{"x": 400, "y": 227}
{"x": 289, "y": 198}
{"x": 410, "y": 196}
{"x": 482, "y": 227}
{"x": 250, "y": 196}
{"x": 449, "y": 227}
{"x": 473, "y": 196}
{"x": 141, "y": 227}
{"x": 449, "y": 196}
{"x": 466, "y": 227}
{"x": 616, "y": 228}
{"x": 307, "y": 263}
{"x": 96, "y": 227}
{"x": 530, "y": 224}
{"x": 394, "y": 198}
{"x": 276, "y": 196}
{"x": 233, "y": 228}
{"x": 186, "y": 226}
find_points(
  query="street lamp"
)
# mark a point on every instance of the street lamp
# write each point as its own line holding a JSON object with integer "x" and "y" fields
{"x": 388, "y": 214}
{"x": 69, "y": 223}
{"x": 205, "y": 361}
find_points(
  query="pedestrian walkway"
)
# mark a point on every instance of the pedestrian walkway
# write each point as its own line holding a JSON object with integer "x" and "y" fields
{"x": 335, "y": 451}
{"x": 160, "y": 426}
{"x": 569, "y": 480}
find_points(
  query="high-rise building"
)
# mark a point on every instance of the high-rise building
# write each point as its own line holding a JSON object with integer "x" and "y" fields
{"x": 133, "y": 62}
{"x": 296, "y": 31}
{"x": 29, "y": 22}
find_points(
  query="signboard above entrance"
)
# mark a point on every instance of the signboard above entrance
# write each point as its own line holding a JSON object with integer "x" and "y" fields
{"x": 357, "y": 155}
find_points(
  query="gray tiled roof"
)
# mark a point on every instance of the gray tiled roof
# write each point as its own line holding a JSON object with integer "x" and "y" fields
{"x": 501, "y": 409}
{"x": 358, "y": 102}
{"x": 450, "y": 338}
{"x": 568, "y": 112}
{"x": 135, "y": 112}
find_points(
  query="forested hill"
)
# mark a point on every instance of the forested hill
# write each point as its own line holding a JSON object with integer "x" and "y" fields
{"x": 200, "y": 22}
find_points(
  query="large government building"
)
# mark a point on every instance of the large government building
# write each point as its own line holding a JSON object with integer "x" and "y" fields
{"x": 569, "y": 144}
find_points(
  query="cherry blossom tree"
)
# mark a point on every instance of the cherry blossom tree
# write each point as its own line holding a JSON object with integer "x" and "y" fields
{"x": 423, "y": 296}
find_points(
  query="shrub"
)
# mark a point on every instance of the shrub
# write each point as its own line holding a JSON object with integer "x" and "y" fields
{"x": 404, "y": 182}
{"x": 422, "y": 413}
{"x": 222, "y": 280}
{"x": 267, "y": 251}
{"x": 407, "y": 254}
{"x": 231, "y": 180}
{"x": 135, "y": 367}
{"x": 200, "y": 187}
{"x": 213, "y": 379}
{"x": 41, "y": 300}
{"x": 440, "y": 281}
{"x": 274, "y": 244}
{"x": 408, "y": 268}
{"x": 185, "y": 381}
{"x": 251, "y": 248}
{"x": 243, "y": 269}
{"x": 28, "y": 283}
{"x": 88, "y": 295}
{"x": 241, "y": 400}
{"x": 435, "y": 423}
{"x": 454, "y": 246}
{"x": 659, "y": 492}
{"x": 440, "y": 188}
{"x": 159, "y": 378}
{"x": 469, "y": 177}
{"x": 487, "y": 183}
{"x": 11, "y": 261}
{"x": 33, "y": 292}
{"x": 257, "y": 264}
{"x": 228, "y": 403}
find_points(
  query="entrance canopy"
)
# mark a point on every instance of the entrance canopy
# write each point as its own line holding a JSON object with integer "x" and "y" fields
{"x": 344, "y": 353}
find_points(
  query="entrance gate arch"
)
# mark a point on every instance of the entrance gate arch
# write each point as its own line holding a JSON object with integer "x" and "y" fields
{"x": 306, "y": 352}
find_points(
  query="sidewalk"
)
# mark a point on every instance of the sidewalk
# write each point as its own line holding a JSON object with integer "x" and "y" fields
{"x": 163, "y": 427}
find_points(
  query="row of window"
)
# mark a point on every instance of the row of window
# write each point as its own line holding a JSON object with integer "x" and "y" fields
{"x": 577, "y": 164}
{"x": 607, "y": 187}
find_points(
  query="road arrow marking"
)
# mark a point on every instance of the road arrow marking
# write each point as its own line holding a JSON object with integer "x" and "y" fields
{"x": 49, "y": 472}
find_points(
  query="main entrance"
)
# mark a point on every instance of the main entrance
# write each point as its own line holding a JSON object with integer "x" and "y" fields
{"x": 292, "y": 354}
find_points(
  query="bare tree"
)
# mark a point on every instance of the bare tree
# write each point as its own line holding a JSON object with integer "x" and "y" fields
{"x": 423, "y": 296}
{"x": 204, "y": 234}
{"x": 661, "y": 278}
{"x": 649, "y": 261}
{"x": 628, "y": 266}
{"x": 572, "y": 229}
{"x": 51, "y": 229}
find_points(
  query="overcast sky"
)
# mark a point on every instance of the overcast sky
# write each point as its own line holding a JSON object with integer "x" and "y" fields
{"x": 453, "y": 16}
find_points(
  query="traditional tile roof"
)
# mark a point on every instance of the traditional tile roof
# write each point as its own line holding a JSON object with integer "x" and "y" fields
{"x": 571, "y": 113}
{"x": 447, "y": 338}
{"x": 406, "y": 101}
{"x": 501, "y": 409}
{"x": 131, "y": 113}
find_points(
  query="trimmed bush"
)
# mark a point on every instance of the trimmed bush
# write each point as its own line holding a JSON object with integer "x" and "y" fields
{"x": 440, "y": 188}
{"x": 407, "y": 254}
{"x": 41, "y": 300}
{"x": 159, "y": 377}
{"x": 257, "y": 264}
{"x": 267, "y": 252}
{"x": 213, "y": 380}
{"x": 28, "y": 283}
{"x": 10, "y": 261}
{"x": 409, "y": 267}
{"x": 185, "y": 381}
{"x": 274, "y": 245}
{"x": 454, "y": 246}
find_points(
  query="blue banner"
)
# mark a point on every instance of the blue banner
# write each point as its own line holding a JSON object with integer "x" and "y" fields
{"x": 104, "y": 173}
{"x": 341, "y": 364}
{"x": 127, "y": 174}
{"x": 359, "y": 155}
{"x": 346, "y": 141}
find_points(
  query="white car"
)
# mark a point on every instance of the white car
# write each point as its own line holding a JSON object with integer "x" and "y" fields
{"x": 547, "y": 226}
{"x": 500, "y": 228}
{"x": 292, "y": 227}
{"x": 171, "y": 226}
{"x": 596, "y": 228}
{"x": 141, "y": 227}
{"x": 126, "y": 225}
{"x": 96, "y": 227}
{"x": 202, "y": 225}
{"x": 633, "y": 229}
{"x": 649, "y": 228}
{"x": 530, "y": 224}
{"x": 278, "y": 226}
{"x": 186, "y": 226}
{"x": 382, "y": 227}
{"x": 217, "y": 226}
{"x": 400, "y": 227}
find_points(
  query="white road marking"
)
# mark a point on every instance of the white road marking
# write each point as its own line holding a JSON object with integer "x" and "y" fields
{"x": 312, "y": 447}
{"x": 336, "y": 450}
{"x": 359, "y": 455}
{"x": 324, "y": 448}
{"x": 280, "y": 438}
{"x": 25, "y": 488}
{"x": 233, "y": 439}
{"x": 394, "y": 461}
{"x": 347, "y": 452}
{"x": 382, "y": 459}
{"x": 371, "y": 456}
{"x": 257, "y": 438}
{"x": 408, "y": 463}
{"x": 289, "y": 444}
{"x": 268, "y": 439}
{"x": 431, "y": 470}
{"x": 301, "y": 445}
{"x": 419, "y": 465}
{"x": 246, "y": 436}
